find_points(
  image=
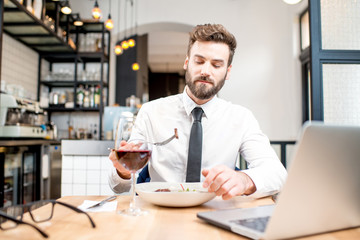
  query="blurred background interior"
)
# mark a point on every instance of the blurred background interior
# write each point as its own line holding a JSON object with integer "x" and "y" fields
{"x": 69, "y": 69}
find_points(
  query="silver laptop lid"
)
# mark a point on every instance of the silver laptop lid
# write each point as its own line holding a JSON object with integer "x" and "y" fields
{"x": 322, "y": 192}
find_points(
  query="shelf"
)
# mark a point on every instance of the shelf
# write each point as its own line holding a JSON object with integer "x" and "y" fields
{"x": 90, "y": 26}
{"x": 58, "y": 83}
{"x": 86, "y": 57}
{"x": 93, "y": 56}
{"x": 22, "y": 25}
{"x": 76, "y": 109}
{"x": 8, "y": 190}
{"x": 71, "y": 83}
{"x": 28, "y": 184}
{"x": 44, "y": 46}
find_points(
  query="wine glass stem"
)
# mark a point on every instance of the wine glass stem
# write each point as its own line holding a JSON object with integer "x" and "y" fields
{"x": 132, "y": 202}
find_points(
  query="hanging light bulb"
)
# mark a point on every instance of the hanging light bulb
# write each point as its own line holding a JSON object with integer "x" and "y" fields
{"x": 66, "y": 8}
{"x": 131, "y": 42}
{"x": 96, "y": 12}
{"x": 292, "y": 1}
{"x": 109, "y": 23}
{"x": 77, "y": 21}
{"x": 135, "y": 66}
{"x": 118, "y": 49}
{"x": 124, "y": 44}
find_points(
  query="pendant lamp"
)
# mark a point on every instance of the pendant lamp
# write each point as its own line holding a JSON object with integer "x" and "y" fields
{"x": 96, "y": 12}
{"x": 118, "y": 49}
{"x": 109, "y": 24}
{"x": 65, "y": 9}
{"x": 292, "y": 1}
{"x": 77, "y": 20}
{"x": 135, "y": 66}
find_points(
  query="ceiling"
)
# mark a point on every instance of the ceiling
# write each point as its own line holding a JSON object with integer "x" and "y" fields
{"x": 167, "y": 42}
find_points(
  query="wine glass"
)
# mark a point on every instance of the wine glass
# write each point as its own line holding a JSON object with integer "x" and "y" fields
{"x": 133, "y": 156}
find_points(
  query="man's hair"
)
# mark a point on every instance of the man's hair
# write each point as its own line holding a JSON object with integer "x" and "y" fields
{"x": 213, "y": 33}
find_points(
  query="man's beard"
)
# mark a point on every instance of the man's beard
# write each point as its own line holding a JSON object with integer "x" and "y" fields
{"x": 201, "y": 91}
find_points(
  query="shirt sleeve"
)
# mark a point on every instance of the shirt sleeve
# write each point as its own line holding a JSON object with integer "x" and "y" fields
{"x": 118, "y": 184}
{"x": 264, "y": 166}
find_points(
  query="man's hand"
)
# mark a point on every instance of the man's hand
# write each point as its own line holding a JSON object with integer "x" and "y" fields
{"x": 227, "y": 182}
{"x": 121, "y": 170}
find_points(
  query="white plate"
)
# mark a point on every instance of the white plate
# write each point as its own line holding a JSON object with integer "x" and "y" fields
{"x": 177, "y": 197}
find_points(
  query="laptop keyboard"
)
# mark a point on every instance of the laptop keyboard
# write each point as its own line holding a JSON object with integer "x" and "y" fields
{"x": 258, "y": 224}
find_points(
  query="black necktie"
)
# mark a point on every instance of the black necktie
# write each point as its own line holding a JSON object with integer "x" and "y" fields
{"x": 195, "y": 148}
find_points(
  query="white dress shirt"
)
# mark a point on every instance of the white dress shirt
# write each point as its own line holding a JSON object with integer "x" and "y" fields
{"x": 228, "y": 130}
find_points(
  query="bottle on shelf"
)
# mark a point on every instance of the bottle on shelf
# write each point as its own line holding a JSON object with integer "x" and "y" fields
{"x": 71, "y": 132}
{"x": 97, "y": 95}
{"x": 86, "y": 97}
{"x": 89, "y": 132}
{"x": 80, "y": 96}
{"x": 92, "y": 96}
{"x": 95, "y": 132}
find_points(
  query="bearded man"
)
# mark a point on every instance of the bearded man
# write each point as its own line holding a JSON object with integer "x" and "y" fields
{"x": 227, "y": 130}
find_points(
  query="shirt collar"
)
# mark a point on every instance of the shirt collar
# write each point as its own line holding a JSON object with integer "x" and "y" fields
{"x": 189, "y": 104}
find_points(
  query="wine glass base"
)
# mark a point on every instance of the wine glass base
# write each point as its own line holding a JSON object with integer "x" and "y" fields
{"x": 133, "y": 212}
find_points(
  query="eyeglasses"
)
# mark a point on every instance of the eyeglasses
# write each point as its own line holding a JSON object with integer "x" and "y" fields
{"x": 11, "y": 217}
{"x": 8, "y": 222}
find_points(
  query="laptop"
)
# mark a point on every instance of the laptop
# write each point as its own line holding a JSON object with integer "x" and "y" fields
{"x": 321, "y": 193}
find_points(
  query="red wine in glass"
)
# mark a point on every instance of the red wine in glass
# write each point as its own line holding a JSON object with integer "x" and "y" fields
{"x": 133, "y": 160}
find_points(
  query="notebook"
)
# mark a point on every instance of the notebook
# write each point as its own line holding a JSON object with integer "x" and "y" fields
{"x": 321, "y": 193}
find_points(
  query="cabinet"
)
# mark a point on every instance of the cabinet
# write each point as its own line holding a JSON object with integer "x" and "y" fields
{"x": 21, "y": 180}
{"x": 53, "y": 36}
{"x": 24, "y": 171}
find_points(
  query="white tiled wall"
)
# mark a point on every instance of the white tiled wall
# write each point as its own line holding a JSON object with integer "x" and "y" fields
{"x": 85, "y": 175}
{"x": 19, "y": 68}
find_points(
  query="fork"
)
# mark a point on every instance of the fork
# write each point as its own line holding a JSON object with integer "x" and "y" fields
{"x": 158, "y": 143}
{"x": 167, "y": 140}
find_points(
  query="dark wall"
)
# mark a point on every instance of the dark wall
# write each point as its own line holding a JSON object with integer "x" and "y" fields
{"x": 125, "y": 76}
{"x": 163, "y": 84}
{"x": 129, "y": 82}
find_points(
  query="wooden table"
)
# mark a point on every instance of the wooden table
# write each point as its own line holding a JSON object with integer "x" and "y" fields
{"x": 160, "y": 223}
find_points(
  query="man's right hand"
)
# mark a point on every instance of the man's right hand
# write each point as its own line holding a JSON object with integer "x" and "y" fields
{"x": 121, "y": 170}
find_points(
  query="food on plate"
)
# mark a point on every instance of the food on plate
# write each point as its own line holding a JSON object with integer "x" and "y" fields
{"x": 177, "y": 190}
{"x": 163, "y": 190}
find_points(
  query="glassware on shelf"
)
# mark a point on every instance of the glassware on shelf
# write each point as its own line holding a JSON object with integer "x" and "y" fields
{"x": 90, "y": 42}
{"x": 97, "y": 75}
{"x": 83, "y": 76}
{"x": 48, "y": 77}
{"x": 68, "y": 75}
{"x": 90, "y": 75}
